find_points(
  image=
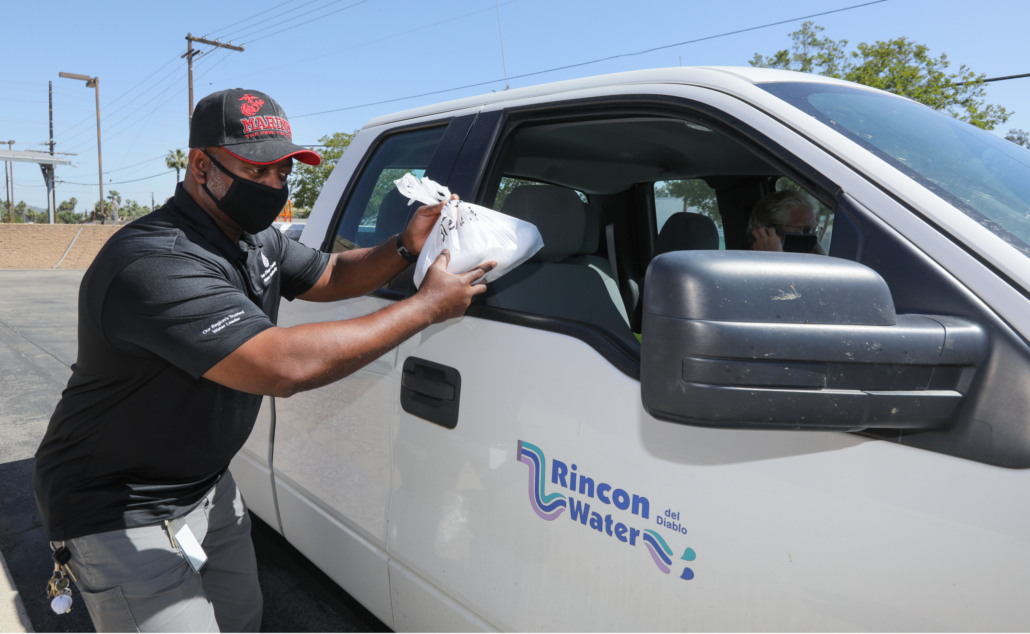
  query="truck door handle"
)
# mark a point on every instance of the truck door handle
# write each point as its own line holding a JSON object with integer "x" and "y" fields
{"x": 428, "y": 387}
{"x": 431, "y": 391}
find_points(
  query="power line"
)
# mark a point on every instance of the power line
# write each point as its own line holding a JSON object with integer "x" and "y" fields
{"x": 113, "y": 134}
{"x": 350, "y": 6}
{"x": 382, "y": 39}
{"x": 219, "y": 30}
{"x": 500, "y": 34}
{"x": 594, "y": 61}
{"x": 126, "y": 104}
{"x": 138, "y": 164}
{"x": 244, "y": 29}
{"x": 212, "y": 67}
{"x": 987, "y": 81}
{"x": 116, "y": 99}
{"x": 65, "y": 93}
{"x": 121, "y": 182}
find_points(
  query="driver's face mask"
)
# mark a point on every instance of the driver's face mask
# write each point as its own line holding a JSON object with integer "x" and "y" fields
{"x": 799, "y": 242}
{"x": 250, "y": 205}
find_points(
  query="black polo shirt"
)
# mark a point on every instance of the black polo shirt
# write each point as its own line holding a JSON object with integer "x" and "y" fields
{"x": 138, "y": 436}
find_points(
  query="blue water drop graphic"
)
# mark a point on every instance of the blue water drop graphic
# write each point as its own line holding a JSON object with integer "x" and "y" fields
{"x": 689, "y": 555}
{"x": 688, "y": 574}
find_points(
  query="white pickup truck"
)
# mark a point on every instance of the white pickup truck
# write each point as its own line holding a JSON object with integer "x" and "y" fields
{"x": 650, "y": 427}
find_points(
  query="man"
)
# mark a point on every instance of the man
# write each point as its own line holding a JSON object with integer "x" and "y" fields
{"x": 781, "y": 215}
{"x": 177, "y": 343}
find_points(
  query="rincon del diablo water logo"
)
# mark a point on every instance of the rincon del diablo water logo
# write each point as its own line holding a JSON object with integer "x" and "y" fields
{"x": 549, "y": 506}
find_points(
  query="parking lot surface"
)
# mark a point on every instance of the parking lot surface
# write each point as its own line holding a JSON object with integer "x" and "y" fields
{"x": 37, "y": 347}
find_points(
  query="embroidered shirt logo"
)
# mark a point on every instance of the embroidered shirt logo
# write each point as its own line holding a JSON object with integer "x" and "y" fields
{"x": 270, "y": 269}
{"x": 252, "y": 105}
{"x": 222, "y": 323}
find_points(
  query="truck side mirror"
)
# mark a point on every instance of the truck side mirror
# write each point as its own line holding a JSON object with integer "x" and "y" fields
{"x": 748, "y": 340}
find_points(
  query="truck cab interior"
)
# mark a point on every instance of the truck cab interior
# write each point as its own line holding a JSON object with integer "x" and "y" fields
{"x": 609, "y": 195}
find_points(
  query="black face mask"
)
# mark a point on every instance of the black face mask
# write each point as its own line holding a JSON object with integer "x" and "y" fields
{"x": 798, "y": 243}
{"x": 250, "y": 205}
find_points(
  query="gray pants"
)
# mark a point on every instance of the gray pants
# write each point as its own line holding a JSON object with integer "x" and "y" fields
{"x": 134, "y": 580}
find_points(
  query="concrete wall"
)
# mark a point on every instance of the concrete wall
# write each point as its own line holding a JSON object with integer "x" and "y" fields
{"x": 43, "y": 246}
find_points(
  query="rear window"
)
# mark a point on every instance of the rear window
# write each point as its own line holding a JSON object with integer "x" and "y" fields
{"x": 692, "y": 195}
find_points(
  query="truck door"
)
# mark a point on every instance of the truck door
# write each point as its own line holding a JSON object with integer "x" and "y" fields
{"x": 531, "y": 489}
{"x": 331, "y": 456}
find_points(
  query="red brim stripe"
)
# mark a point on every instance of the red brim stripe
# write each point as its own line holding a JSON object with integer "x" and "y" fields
{"x": 308, "y": 157}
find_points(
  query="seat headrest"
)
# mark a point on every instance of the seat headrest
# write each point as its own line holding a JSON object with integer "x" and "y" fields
{"x": 558, "y": 214}
{"x": 392, "y": 215}
{"x": 685, "y": 231}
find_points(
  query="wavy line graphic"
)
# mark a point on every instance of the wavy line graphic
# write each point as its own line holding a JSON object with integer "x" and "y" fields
{"x": 654, "y": 555}
{"x": 665, "y": 547}
{"x": 547, "y": 506}
{"x": 659, "y": 550}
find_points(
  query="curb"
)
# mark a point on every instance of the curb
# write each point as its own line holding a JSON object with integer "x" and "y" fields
{"x": 13, "y": 617}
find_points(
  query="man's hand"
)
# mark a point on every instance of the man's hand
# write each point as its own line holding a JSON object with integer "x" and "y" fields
{"x": 446, "y": 295}
{"x": 421, "y": 225}
{"x": 766, "y": 239}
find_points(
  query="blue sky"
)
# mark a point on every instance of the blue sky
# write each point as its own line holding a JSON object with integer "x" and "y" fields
{"x": 337, "y": 57}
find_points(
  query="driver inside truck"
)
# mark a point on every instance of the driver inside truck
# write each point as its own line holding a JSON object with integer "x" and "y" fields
{"x": 785, "y": 221}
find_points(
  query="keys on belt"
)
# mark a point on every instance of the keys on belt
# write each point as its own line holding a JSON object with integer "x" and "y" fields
{"x": 57, "y": 589}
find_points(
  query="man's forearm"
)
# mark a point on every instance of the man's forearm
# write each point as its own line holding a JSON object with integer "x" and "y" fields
{"x": 283, "y": 361}
{"x": 359, "y": 272}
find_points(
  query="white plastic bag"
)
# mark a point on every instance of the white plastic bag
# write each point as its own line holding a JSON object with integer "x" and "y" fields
{"x": 471, "y": 233}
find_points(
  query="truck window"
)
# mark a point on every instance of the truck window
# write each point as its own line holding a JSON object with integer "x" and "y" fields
{"x": 590, "y": 187}
{"x": 376, "y": 210}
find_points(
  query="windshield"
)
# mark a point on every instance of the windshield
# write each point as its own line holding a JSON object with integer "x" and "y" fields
{"x": 984, "y": 176}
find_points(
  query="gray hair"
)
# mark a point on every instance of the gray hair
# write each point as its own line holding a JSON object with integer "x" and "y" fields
{"x": 775, "y": 208}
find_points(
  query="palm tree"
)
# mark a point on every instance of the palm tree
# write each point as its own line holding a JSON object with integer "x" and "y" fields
{"x": 177, "y": 160}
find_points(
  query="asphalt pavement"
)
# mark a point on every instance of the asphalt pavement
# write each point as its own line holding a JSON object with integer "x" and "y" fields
{"x": 37, "y": 347}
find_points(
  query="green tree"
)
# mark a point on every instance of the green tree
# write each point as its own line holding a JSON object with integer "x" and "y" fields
{"x": 897, "y": 65}
{"x": 177, "y": 160}
{"x": 40, "y": 217}
{"x": 1019, "y": 137}
{"x": 307, "y": 180}
{"x": 131, "y": 210}
{"x": 66, "y": 212}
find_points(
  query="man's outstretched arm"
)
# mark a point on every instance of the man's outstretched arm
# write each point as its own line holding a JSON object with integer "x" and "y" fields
{"x": 283, "y": 361}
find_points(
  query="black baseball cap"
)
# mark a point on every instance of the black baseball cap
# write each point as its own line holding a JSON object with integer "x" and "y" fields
{"x": 248, "y": 124}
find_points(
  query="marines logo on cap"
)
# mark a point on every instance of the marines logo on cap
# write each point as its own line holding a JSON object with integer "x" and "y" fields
{"x": 253, "y": 105}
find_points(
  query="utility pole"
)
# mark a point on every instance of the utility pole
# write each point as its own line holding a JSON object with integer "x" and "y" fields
{"x": 7, "y": 181}
{"x": 100, "y": 158}
{"x": 190, "y": 53}
{"x": 52, "y": 198}
{"x": 10, "y": 188}
{"x": 151, "y": 201}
